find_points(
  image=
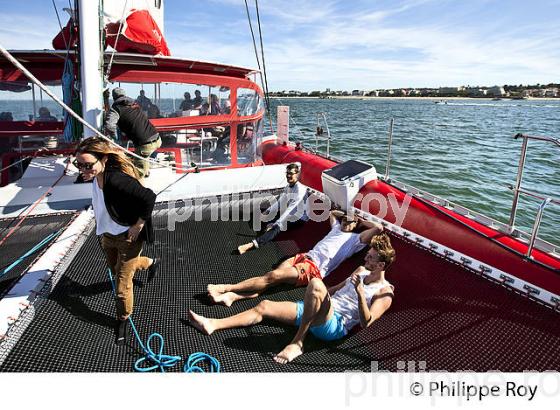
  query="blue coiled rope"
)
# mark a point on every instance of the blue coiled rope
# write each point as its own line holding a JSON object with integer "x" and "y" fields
{"x": 162, "y": 361}
{"x": 31, "y": 251}
{"x": 191, "y": 366}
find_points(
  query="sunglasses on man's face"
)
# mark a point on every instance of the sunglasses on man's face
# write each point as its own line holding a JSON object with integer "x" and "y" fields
{"x": 348, "y": 221}
{"x": 84, "y": 166}
{"x": 289, "y": 174}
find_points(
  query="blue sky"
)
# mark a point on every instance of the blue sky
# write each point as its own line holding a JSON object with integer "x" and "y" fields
{"x": 315, "y": 44}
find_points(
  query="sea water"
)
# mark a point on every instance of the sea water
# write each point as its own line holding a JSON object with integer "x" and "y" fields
{"x": 461, "y": 150}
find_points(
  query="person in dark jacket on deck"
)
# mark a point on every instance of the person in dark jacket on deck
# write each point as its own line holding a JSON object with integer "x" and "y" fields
{"x": 122, "y": 207}
{"x": 126, "y": 114}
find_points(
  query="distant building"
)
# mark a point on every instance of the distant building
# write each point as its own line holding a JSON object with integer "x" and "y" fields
{"x": 428, "y": 92}
{"x": 358, "y": 92}
{"x": 496, "y": 91}
{"x": 550, "y": 92}
{"x": 450, "y": 91}
{"x": 476, "y": 92}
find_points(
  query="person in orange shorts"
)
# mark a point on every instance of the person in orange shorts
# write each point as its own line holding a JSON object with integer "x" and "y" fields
{"x": 348, "y": 235}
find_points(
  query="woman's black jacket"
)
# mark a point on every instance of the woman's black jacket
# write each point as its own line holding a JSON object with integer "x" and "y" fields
{"x": 126, "y": 200}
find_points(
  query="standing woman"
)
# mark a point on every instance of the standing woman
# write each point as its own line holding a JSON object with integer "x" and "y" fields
{"x": 123, "y": 209}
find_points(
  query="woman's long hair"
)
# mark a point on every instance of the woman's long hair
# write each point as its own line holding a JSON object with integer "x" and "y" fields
{"x": 116, "y": 158}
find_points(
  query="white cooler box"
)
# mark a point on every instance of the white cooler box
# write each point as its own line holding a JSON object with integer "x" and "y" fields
{"x": 342, "y": 182}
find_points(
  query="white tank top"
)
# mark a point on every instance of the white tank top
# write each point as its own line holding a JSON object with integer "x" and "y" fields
{"x": 103, "y": 221}
{"x": 345, "y": 300}
{"x": 334, "y": 248}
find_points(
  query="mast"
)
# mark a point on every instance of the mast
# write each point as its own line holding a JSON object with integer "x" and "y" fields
{"x": 91, "y": 63}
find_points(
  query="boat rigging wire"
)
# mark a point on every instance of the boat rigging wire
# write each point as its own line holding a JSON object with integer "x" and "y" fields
{"x": 60, "y": 25}
{"x": 263, "y": 79}
{"x": 29, "y": 75}
{"x": 262, "y": 53}
{"x": 110, "y": 65}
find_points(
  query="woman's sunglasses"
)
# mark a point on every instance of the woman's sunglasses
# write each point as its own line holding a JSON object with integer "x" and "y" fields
{"x": 84, "y": 166}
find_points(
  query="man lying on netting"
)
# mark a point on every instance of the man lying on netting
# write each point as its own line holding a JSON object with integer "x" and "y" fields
{"x": 329, "y": 314}
{"x": 349, "y": 234}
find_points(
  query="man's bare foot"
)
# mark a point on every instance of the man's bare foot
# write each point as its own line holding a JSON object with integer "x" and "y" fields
{"x": 214, "y": 290}
{"x": 201, "y": 323}
{"x": 289, "y": 353}
{"x": 244, "y": 248}
{"x": 226, "y": 298}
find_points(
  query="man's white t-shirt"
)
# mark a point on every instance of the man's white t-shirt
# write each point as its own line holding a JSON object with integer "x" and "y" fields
{"x": 334, "y": 248}
{"x": 293, "y": 204}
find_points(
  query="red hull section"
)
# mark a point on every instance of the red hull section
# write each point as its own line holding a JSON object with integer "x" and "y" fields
{"x": 437, "y": 223}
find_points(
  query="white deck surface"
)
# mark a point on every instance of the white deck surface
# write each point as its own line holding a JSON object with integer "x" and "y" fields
{"x": 15, "y": 198}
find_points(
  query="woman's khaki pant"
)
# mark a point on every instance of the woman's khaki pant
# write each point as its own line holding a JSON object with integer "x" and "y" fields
{"x": 123, "y": 257}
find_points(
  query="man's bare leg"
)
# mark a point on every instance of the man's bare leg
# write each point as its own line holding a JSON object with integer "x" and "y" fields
{"x": 251, "y": 288}
{"x": 316, "y": 311}
{"x": 284, "y": 312}
{"x": 228, "y": 298}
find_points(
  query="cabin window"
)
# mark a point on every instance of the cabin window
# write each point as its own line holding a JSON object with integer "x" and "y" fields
{"x": 248, "y": 102}
{"x": 20, "y": 101}
{"x": 206, "y": 147}
{"x": 171, "y": 100}
{"x": 249, "y": 136}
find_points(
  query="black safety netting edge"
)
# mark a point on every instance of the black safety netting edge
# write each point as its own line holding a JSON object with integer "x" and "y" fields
{"x": 443, "y": 317}
{"x": 29, "y": 233}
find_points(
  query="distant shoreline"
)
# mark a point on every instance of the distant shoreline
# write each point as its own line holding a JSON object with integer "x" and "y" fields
{"x": 365, "y": 97}
{"x": 357, "y": 97}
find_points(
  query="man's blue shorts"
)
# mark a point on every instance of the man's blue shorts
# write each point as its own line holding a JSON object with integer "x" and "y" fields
{"x": 332, "y": 329}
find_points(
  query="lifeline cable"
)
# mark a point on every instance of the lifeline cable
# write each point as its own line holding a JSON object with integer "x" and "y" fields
{"x": 30, "y": 252}
{"x": 33, "y": 155}
{"x": 15, "y": 163}
{"x": 32, "y": 206}
{"x": 161, "y": 360}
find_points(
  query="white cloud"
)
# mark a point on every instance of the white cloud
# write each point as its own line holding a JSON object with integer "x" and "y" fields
{"x": 318, "y": 44}
{"x": 369, "y": 51}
